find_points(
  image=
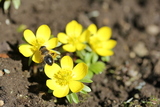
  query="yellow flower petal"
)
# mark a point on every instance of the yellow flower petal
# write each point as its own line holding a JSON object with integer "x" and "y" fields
{"x": 43, "y": 34}
{"x": 80, "y": 46}
{"x": 93, "y": 40}
{"x": 67, "y": 63}
{"x": 70, "y": 27}
{"x": 37, "y": 58}
{"x": 58, "y": 89}
{"x": 61, "y": 91}
{"x": 73, "y": 28}
{"x": 26, "y": 50}
{"x": 75, "y": 86}
{"x": 30, "y": 37}
{"x": 52, "y": 43}
{"x": 85, "y": 36}
{"x": 104, "y": 52}
{"x": 92, "y": 28}
{"x": 104, "y": 33}
{"x": 63, "y": 38}
{"x": 78, "y": 30}
{"x": 79, "y": 71}
{"x": 51, "y": 70}
{"x": 69, "y": 48}
{"x": 51, "y": 84}
{"x": 109, "y": 44}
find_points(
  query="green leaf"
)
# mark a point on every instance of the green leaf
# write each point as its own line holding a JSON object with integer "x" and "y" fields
{"x": 94, "y": 57}
{"x": 105, "y": 58}
{"x": 83, "y": 92}
{"x": 21, "y": 28}
{"x": 16, "y": 3}
{"x": 97, "y": 67}
{"x": 88, "y": 57}
{"x": 79, "y": 61}
{"x": 89, "y": 74}
{"x": 88, "y": 48}
{"x": 81, "y": 54}
{"x": 7, "y": 4}
{"x": 59, "y": 44}
{"x": 86, "y": 80}
{"x": 69, "y": 98}
{"x": 52, "y": 37}
{"x": 50, "y": 91}
{"x": 86, "y": 89}
{"x": 74, "y": 97}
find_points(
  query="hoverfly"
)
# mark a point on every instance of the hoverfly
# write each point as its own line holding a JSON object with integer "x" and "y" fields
{"x": 47, "y": 55}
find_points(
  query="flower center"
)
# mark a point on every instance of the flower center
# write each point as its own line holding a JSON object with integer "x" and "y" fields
{"x": 63, "y": 77}
{"x": 73, "y": 39}
{"x": 38, "y": 44}
{"x": 96, "y": 42}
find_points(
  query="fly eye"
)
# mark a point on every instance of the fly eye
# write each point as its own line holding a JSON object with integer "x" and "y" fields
{"x": 42, "y": 47}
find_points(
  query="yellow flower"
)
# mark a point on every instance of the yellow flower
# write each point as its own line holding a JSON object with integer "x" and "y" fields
{"x": 42, "y": 38}
{"x": 100, "y": 41}
{"x": 65, "y": 78}
{"x": 74, "y": 38}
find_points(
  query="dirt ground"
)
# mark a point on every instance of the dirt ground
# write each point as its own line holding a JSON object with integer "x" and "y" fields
{"x": 131, "y": 79}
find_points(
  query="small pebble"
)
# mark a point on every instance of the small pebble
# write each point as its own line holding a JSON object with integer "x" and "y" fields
{"x": 132, "y": 73}
{"x": 140, "y": 86}
{"x": 132, "y": 55}
{"x": 7, "y": 21}
{"x": 153, "y": 30}
{"x": 128, "y": 83}
{"x": 94, "y": 13}
{"x": 136, "y": 96}
{"x": 140, "y": 49}
{"x": 6, "y": 71}
{"x": 1, "y": 103}
{"x": 1, "y": 73}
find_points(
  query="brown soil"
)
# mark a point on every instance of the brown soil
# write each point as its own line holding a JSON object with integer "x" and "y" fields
{"x": 132, "y": 74}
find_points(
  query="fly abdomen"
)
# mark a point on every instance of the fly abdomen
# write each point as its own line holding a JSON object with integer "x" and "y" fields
{"x": 48, "y": 59}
